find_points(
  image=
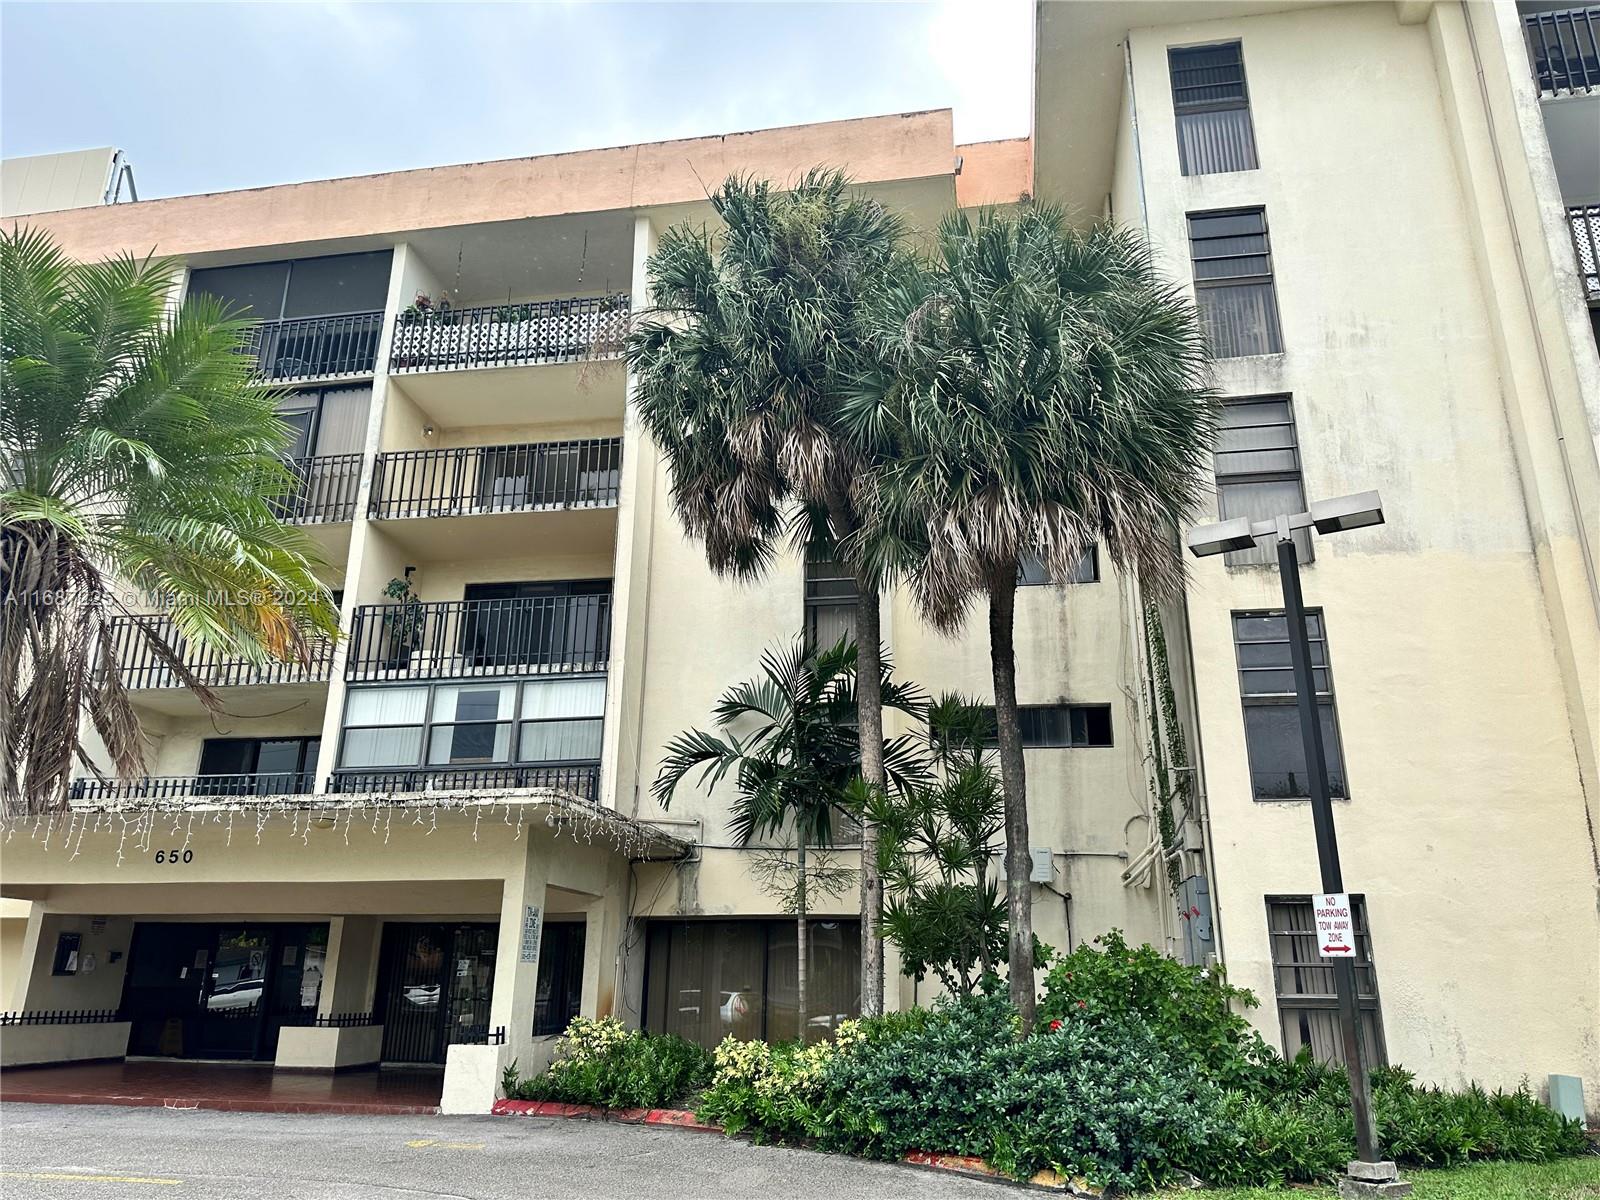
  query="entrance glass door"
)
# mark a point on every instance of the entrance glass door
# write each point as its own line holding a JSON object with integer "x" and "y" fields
{"x": 436, "y": 982}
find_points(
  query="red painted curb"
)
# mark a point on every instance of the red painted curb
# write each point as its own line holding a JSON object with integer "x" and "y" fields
{"x": 678, "y": 1118}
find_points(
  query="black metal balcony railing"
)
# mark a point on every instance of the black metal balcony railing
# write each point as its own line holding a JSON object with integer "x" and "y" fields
{"x": 582, "y": 782}
{"x": 456, "y": 638}
{"x": 141, "y": 668}
{"x": 325, "y": 490}
{"x": 1565, "y": 49}
{"x": 317, "y": 347}
{"x": 502, "y": 335}
{"x": 480, "y": 479}
{"x": 170, "y": 787}
{"x": 1584, "y": 222}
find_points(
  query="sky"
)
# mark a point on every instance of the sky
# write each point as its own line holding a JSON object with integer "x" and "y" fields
{"x": 211, "y": 96}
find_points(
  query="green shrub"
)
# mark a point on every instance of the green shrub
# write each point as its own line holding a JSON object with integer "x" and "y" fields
{"x": 1193, "y": 1009}
{"x": 1273, "y": 1140}
{"x": 770, "y": 1092}
{"x": 605, "y": 1064}
{"x": 1434, "y": 1128}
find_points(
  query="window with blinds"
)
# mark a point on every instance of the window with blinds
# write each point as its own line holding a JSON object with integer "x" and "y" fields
{"x": 1212, "y": 107}
{"x": 1271, "y": 716}
{"x": 1233, "y": 282}
{"x": 830, "y": 602}
{"x": 1308, "y": 1011}
{"x": 1258, "y": 470}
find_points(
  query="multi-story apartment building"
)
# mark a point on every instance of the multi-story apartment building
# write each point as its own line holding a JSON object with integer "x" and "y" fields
{"x": 437, "y": 842}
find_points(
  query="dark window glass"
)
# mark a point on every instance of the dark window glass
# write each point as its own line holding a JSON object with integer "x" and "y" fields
{"x": 340, "y": 283}
{"x": 1233, "y": 282}
{"x": 830, "y": 601}
{"x": 1212, "y": 107}
{"x": 1308, "y": 1011}
{"x": 258, "y": 766}
{"x": 705, "y": 980}
{"x": 1063, "y": 726}
{"x": 559, "y": 990}
{"x": 1271, "y": 718}
{"x": 255, "y": 289}
{"x": 1033, "y": 573}
{"x": 1258, "y": 470}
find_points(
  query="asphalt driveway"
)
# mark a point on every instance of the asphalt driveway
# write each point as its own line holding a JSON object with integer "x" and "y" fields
{"x": 49, "y": 1151}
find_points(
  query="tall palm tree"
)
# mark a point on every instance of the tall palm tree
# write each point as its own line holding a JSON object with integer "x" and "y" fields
{"x": 785, "y": 739}
{"x": 137, "y": 456}
{"x": 755, "y": 336}
{"x": 1047, "y": 393}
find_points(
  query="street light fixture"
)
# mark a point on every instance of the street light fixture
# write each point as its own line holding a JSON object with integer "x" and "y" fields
{"x": 1368, "y": 1174}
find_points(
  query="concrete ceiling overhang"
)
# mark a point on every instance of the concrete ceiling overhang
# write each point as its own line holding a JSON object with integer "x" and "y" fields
{"x": 1079, "y": 79}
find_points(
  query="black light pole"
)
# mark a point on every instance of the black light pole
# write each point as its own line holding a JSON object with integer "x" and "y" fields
{"x": 1368, "y": 1172}
{"x": 1344, "y": 969}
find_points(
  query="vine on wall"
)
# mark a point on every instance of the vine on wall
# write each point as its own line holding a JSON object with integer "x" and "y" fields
{"x": 1170, "y": 777}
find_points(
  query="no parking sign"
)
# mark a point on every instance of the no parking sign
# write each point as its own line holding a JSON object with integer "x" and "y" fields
{"x": 1336, "y": 931}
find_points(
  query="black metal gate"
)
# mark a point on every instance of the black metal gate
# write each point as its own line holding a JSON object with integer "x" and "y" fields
{"x": 435, "y": 983}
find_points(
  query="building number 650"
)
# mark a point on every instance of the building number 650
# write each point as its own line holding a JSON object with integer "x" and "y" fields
{"x": 174, "y": 856}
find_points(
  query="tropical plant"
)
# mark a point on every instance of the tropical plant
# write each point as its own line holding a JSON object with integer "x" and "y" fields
{"x": 1043, "y": 392}
{"x": 741, "y": 368}
{"x": 405, "y": 620}
{"x": 786, "y": 741}
{"x": 606, "y": 1064}
{"x": 942, "y": 908}
{"x": 138, "y": 455}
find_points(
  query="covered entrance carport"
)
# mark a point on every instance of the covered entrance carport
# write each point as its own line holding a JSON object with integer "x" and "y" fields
{"x": 315, "y": 937}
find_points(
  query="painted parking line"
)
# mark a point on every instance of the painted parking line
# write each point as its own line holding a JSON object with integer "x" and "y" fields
{"x": 77, "y": 1177}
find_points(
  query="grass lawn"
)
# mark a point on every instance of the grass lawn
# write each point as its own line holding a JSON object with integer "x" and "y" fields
{"x": 1564, "y": 1179}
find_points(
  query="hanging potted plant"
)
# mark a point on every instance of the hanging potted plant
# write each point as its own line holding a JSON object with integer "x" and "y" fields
{"x": 404, "y": 621}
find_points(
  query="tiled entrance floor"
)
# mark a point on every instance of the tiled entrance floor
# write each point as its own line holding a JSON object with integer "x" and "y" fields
{"x": 241, "y": 1088}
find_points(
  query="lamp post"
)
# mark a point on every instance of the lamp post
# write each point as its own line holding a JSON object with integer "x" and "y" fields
{"x": 1367, "y": 1175}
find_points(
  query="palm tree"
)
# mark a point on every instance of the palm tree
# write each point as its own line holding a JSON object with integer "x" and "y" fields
{"x": 137, "y": 456}
{"x": 756, "y": 335}
{"x": 1047, "y": 393}
{"x": 785, "y": 739}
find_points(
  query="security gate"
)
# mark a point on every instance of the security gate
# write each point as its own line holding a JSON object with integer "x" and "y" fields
{"x": 435, "y": 983}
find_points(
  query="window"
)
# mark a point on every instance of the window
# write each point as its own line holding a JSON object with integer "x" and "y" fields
{"x": 707, "y": 979}
{"x": 1271, "y": 720}
{"x": 830, "y": 601}
{"x": 537, "y": 622}
{"x": 258, "y": 766}
{"x": 1233, "y": 282}
{"x": 1258, "y": 470}
{"x": 306, "y": 287}
{"x": 559, "y": 989}
{"x": 472, "y": 724}
{"x": 1033, "y": 573}
{"x": 1063, "y": 726}
{"x": 65, "y": 961}
{"x": 1212, "y": 108}
{"x": 1307, "y": 1009}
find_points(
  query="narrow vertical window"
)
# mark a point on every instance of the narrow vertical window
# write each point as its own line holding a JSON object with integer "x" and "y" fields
{"x": 1308, "y": 1012}
{"x": 1258, "y": 470}
{"x": 1233, "y": 282}
{"x": 1271, "y": 716}
{"x": 1213, "y": 109}
{"x": 830, "y": 601}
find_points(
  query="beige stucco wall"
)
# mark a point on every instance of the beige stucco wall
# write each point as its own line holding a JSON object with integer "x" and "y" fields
{"x": 1467, "y": 827}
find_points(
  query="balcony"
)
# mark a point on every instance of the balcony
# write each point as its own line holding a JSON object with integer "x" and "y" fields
{"x": 304, "y": 348}
{"x": 143, "y": 669}
{"x": 1564, "y": 50}
{"x": 536, "y": 635}
{"x": 1584, "y": 222}
{"x": 325, "y": 490}
{"x": 582, "y": 782}
{"x": 498, "y": 479}
{"x": 177, "y": 787}
{"x": 509, "y": 335}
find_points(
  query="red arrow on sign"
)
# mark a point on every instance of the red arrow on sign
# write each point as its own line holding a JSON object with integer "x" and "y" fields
{"x": 1336, "y": 946}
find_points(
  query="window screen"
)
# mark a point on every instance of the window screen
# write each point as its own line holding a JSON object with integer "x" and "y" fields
{"x": 1212, "y": 109}
{"x": 1258, "y": 470}
{"x": 1271, "y": 718}
{"x": 1234, "y": 283}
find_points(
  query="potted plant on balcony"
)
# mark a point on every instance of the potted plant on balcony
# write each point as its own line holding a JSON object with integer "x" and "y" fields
{"x": 404, "y": 621}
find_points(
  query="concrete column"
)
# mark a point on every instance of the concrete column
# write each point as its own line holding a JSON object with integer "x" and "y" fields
{"x": 601, "y": 935}
{"x": 28, "y": 959}
{"x": 350, "y": 972}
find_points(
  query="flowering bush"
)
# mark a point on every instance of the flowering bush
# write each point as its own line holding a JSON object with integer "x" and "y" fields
{"x": 605, "y": 1063}
{"x": 771, "y": 1091}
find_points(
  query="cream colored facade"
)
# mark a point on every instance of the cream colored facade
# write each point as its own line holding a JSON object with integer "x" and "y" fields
{"x": 1463, "y": 635}
{"x": 1435, "y": 347}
